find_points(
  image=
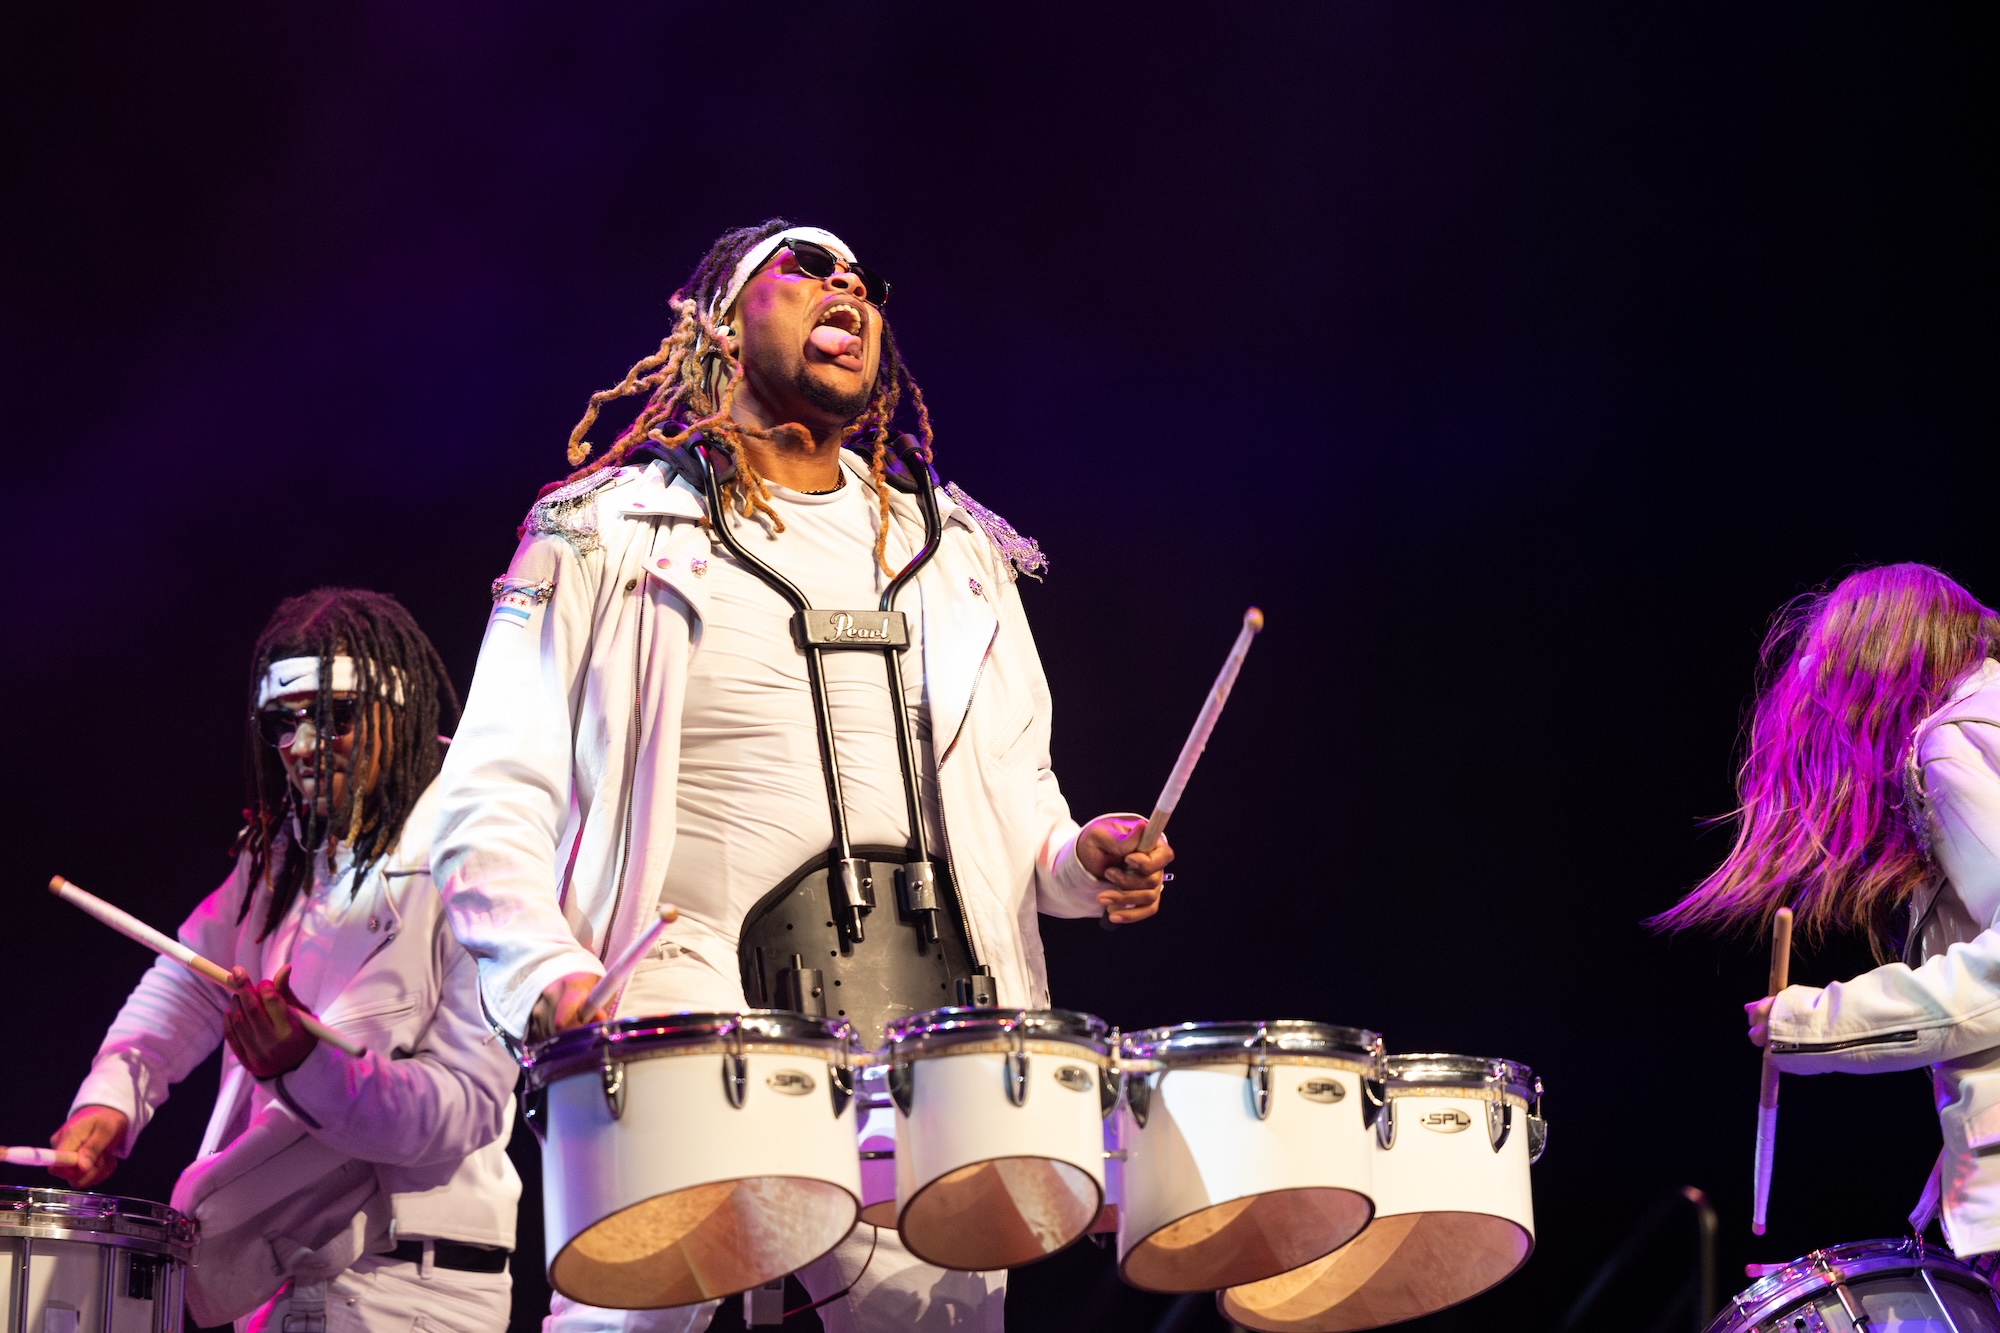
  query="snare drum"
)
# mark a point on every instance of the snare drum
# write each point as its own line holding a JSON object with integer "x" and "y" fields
{"x": 999, "y": 1132}
{"x": 92, "y": 1263}
{"x": 1897, "y": 1286}
{"x": 1454, "y": 1214}
{"x": 1248, "y": 1150}
{"x": 693, "y": 1156}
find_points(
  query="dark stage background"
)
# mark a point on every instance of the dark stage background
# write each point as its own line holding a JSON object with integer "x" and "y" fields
{"x": 1518, "y": 360}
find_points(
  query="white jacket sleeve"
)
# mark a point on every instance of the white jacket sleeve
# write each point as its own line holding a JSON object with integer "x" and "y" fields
{"x": 440, "y": 1102}
{"x": 170, "y": 1023}
{"x": 1895, "y": 1017}
{"x": 504, "y": 794}
{"x": 1899, "y": 1017}
{"x": 1062, "y": 886}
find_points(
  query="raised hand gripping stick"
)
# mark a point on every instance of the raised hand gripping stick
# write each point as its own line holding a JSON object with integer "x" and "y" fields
{"x": 1767, "y": 1090}
{"x": 133, "y": 928}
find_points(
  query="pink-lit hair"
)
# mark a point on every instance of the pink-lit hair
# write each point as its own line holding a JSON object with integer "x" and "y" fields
{"x": 1821, "y": 820}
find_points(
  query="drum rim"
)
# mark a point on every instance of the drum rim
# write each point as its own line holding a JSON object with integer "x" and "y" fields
{"x": 954, "y": 1025}
{"x": 128, "y": 1223}
{"x": 1851, "y": 1261}
{"x": 1439, "y": 1069}
{"x": 659, "y": 1034}
{"x": 1194, "y": 1043}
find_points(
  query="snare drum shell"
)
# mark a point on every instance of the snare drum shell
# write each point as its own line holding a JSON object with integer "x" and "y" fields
{"x": 678, "y": 1131}
{"x": 1203, "y": 1145}
{"x": 73, "y": 1263}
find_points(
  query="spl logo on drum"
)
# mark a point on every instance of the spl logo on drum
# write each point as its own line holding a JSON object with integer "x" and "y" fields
{"x": 791, "y": 1082}
{"x": 1074, "y": 1077}
{"x": 1448, "y": 1121}
{"x": 1322, "y": 1090}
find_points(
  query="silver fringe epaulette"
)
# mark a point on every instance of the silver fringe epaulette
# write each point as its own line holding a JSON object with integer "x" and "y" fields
{"x": 570, "y": 513}
{"x": 1022, "y": 554}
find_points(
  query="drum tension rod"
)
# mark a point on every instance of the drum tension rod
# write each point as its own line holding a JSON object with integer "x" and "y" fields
{"x": 1259, "y": 1075}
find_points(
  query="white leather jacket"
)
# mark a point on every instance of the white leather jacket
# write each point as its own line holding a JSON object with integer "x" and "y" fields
{"x": 299, "y": 1176}
{"x": 558, "y": 796}
{"x": 1943, "y": 1011}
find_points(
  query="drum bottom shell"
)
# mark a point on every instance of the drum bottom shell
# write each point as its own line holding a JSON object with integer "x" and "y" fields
{"x": 702, "y": 1243}
{"x": 1401, "y": 1267}
{"x": 1246, "y": 1240}
{"x": 1000, "y": 1214}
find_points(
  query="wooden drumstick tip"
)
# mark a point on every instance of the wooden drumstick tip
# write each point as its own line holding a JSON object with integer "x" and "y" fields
{"x": 1253, "y": 620}
{"x": 56, "y": 885}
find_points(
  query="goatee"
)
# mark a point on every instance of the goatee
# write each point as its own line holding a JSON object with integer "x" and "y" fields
{"x": 833, "y": 402}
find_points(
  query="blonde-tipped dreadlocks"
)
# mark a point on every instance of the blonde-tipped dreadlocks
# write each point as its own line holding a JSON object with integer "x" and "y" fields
{"x": 692, "y": 381}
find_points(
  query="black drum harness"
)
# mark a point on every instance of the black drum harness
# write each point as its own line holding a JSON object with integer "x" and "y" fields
{"x": 804, "y": 946}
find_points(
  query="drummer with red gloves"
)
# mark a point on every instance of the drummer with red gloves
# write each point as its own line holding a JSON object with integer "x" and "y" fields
{"x": 376, "y": 1185}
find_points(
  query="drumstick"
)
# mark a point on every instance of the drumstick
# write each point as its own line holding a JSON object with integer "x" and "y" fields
{"x": 133, "y": 928}
{"x": 37, "y": 1157}
{"x": 615, "y": 975}
{"x": 1204, "y": 723}
{"x": 1197, "y": 739}
{"x": 1767, "y": 1090}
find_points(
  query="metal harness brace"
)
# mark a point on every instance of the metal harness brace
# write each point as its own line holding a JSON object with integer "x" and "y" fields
{"x": 806, "y": 946}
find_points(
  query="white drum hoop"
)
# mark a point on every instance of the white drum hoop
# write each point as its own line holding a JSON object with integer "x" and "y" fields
{"x": 1504, "y": 1085}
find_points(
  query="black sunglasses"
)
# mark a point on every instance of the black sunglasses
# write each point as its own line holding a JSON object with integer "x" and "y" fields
{"x": 816, "y": 261}
{"x": 281, "y": 726}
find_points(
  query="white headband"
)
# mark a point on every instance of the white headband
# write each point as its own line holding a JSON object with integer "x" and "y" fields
{"x": 763, "y": 250}
{"x": 300, "y": 675}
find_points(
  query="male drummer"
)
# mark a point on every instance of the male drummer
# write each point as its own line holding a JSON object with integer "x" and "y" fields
{"x": 375, "y": 1188}
{"x": 642, "y": 724}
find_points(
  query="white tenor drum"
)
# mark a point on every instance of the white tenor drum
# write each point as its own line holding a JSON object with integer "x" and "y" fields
{"x": 1454, "y": 1212}
{"x": 1248, "y": 1150}
{"x": 694, "y": 1155}
{"x": 999, "y": 1132}
{"x": 90, "y": 1263}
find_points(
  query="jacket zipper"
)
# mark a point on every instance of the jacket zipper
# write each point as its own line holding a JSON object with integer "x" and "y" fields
{"x": 631, "y": 761}
{"x": 1827, "y": 1047}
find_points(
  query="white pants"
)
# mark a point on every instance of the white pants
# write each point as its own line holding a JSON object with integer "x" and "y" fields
{"x": 378, "y": 1295}
{"x": 897, "y": 1291}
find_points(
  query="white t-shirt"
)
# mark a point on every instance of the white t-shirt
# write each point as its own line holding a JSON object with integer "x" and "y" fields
{"x": 752, "y": 802}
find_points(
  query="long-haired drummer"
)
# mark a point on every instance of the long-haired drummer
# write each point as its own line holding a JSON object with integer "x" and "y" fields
{"x": 1870, "y": 800}
{"x": 682, "y": 697}
{"x": 378, "y": 1188}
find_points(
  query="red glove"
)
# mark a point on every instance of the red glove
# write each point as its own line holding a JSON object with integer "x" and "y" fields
{"x": 262, "y": 1029}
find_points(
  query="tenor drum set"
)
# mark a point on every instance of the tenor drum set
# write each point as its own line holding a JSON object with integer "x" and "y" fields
{"x": 1313, "y": 1181}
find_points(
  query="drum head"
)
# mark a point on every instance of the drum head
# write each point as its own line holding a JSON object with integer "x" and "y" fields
{"x": 702, "y": 1243}
{"x": 1246, "y": 1240}
{"x": 1400, "y": 1268}
{"x": 1000, "y": 1214}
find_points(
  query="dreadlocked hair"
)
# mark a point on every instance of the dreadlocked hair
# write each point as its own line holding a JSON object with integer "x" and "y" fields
{"x": 691, "y": 383}
{"x": 397, "y": 737}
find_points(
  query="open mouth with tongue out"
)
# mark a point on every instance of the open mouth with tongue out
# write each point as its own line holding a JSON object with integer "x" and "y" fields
{"x": 836, "y": 334}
